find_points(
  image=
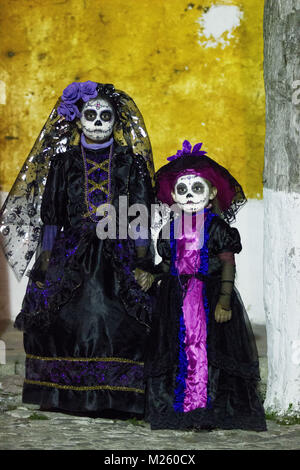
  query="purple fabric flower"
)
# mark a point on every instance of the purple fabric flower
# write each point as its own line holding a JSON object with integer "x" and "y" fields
{"x": 186, "y": 147}
{"x": 68, "y": 110}
{"x": 88, "y": 90}
{"x": 186, "y": 150}
{"x": 197, "y": 148}
{"x": 71, "y": 93}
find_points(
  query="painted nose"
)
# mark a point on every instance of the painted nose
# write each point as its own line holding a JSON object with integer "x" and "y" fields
{"x": 98, "y": 123}
{"x": 189, "y": 195}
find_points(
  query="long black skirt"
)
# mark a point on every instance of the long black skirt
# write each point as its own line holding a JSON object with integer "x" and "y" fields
{"x": 84, "y": 352}
{"x": 234, "y": 400}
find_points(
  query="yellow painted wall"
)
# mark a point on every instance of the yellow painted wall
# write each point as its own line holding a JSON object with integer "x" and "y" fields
{"x": 151, "y": 50}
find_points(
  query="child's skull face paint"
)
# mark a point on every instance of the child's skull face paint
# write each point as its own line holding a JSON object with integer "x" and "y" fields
{"x": 192, "y": 193}
{"x": 97, "y": 119}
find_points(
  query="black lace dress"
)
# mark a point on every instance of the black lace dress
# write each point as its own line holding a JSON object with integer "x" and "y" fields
{"x": 201, "y": 374}
{"x": 85, "y": 326}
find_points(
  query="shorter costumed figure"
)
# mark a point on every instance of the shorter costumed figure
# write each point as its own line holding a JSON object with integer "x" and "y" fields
{"x": 202, "y": 368}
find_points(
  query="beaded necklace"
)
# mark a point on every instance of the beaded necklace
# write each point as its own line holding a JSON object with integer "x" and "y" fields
{"x": 91, "y": 209}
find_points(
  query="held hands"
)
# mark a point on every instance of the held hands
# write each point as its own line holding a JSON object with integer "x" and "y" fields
{"x": 40, "y": 284}
{"x": 144, "y": 279}
{"x": 222, "y": 315}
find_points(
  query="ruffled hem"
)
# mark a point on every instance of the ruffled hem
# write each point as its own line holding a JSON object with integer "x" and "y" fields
{"x": 41, "y": 305}
{"x": 201, "y": 419}
{"x": 45, "y": 318}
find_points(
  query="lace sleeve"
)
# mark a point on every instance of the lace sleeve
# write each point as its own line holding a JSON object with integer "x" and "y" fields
{"x": 141, "y": 192}
{"x": 227, "y": 278}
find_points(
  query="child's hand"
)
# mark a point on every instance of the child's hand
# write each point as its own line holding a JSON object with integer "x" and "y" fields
{"x": 222, "y": 315}
{"x": 143, "y": 278}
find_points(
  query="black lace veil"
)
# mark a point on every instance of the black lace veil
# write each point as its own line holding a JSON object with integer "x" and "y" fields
{"x": 20, "y": 221}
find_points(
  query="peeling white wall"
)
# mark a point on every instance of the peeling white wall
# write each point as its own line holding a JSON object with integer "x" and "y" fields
{"x": 249, "y": 262}
{"x": 282, "y": 298}
{"x": 2, "y": 92}
{"x": 217, "y": 25}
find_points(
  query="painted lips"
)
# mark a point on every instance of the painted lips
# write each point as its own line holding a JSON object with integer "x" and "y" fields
{"x": 193, "y": 202}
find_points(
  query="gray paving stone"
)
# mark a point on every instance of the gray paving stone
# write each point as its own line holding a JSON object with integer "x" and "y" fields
{"x": 58, "y": 431}
{"x": 21, "y": 429}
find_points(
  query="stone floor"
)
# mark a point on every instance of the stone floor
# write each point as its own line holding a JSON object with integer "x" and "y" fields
{"x": 23, "y": 426}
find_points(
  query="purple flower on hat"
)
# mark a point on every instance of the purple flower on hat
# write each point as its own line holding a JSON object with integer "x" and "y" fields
{"x": 186, "y": 147}
{"x": 71, "y": 93}
{"x": 68, "y": 110}
{"x": 187, "y": 150}
{"x": 196, "y": 149}
{"x": 88, "y": 90}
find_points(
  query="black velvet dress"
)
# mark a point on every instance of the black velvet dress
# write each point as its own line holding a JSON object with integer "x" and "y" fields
{"x": 85, "y": 328}
{"x": 225, "y": 382}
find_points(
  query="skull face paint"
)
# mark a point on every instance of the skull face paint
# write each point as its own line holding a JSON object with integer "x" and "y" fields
{"x": 192, "y": 193}
{"x": 97, "y": 119}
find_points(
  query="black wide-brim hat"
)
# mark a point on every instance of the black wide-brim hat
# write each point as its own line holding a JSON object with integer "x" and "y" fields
{"x": 230, "y": 195}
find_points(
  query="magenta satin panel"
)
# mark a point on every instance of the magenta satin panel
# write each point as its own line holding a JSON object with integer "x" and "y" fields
{"x": 188, "y": 262}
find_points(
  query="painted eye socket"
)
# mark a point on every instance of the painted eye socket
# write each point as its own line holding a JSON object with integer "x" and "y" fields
{"x": 106, "y": 116}
{"x": 90, "y": 114}
{"x": 198, "y": 188}
{"x": 181, "y": 189}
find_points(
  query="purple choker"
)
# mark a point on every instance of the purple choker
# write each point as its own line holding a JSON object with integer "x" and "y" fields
{"x": 95, "y": 146}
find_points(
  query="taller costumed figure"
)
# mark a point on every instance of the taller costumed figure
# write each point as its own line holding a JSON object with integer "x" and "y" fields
{"x": 85, "y": 319}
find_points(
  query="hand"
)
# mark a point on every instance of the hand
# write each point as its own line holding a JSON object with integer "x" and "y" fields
{"x": 40, "y": 284}
{"x": 144, "y": 279}
{"x": 39, "y": 272}
{"x": 44, "y": 260}
{"x": 222, "y": 315}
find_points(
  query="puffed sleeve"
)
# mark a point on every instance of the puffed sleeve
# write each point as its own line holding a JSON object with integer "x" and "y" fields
{"x": 53, "y": 209}
{"x": 224, "y": 238}
{"x": 140, "y": 188}
{"x": 141, "y": 192}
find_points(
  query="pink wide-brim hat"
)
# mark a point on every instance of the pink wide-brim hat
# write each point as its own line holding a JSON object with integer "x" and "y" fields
{"x": 230, "y": 194}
